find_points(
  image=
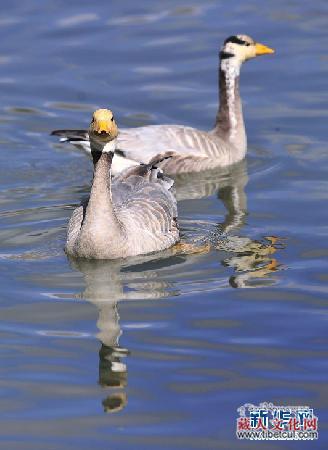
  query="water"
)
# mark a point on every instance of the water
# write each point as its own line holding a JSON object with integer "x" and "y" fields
{"x": 160, "y": 351}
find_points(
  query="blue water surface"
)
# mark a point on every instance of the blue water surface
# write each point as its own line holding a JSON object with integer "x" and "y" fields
{"x": 158, "y": 352}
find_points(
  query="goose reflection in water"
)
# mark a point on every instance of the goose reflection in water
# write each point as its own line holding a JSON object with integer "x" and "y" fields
{"x": 104, "y": 287}
{"x": 108, "y": 282}
{"x": 252, "y": 260}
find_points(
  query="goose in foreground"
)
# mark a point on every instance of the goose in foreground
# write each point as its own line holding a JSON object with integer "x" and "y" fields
{"x": 135, "y": 213}
{"x": 191, "y": 150}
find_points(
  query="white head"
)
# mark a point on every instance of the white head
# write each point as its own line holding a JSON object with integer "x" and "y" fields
{"x": 103, "y": 130}
{"x": 238, "y": 49}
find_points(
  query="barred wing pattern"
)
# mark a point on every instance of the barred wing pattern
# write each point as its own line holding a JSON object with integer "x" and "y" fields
{"x": 146, "y": 206}
{"x": 194, "y": 150}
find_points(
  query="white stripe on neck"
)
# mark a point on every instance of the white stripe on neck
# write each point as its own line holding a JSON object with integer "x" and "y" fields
{"x": 110, "y": 147}
{"x": 231, "y": 69}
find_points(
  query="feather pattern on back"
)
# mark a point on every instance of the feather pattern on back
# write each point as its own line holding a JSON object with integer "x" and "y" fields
{"x": 144, "y": 203}
{"x": 192, "y": 150}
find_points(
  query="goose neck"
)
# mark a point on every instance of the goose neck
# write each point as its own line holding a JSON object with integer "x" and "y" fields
{"x": 100, "y": 214}
{"x": 229, "y": 122}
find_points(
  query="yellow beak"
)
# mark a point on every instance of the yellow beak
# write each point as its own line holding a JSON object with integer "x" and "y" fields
{"x": 104, "y": 125}
{"x": 262, "y": 49}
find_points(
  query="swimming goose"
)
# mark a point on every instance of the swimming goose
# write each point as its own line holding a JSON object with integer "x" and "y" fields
{"x": 191, "y": 150}
{"x": 135, "y": 213}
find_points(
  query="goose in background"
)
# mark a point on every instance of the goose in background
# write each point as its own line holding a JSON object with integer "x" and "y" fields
{"x": 135, "y": 213}
{"x": 190, "y": 150}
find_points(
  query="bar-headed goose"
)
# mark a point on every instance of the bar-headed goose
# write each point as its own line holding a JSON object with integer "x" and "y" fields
{"x": 135, "y": 213}
{"x": 191, "y": 150}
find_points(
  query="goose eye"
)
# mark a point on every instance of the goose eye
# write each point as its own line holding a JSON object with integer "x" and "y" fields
{"x": 112, "y": 119}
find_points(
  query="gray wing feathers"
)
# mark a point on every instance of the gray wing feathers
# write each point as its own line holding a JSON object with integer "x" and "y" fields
{"x": 142, "y": 144}
{"x": 74, "y": 225}
{"x": 190, "y": 146}
{"x": 191, "y": 150}
{"x": 150, "y": 210}
{"x": 143, "y": 197}
{"x": 145, "y": 208}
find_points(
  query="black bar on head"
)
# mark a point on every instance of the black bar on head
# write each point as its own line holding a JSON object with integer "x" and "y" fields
{"x": 235, "y": 40}
{"x": 226, "y": 55}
